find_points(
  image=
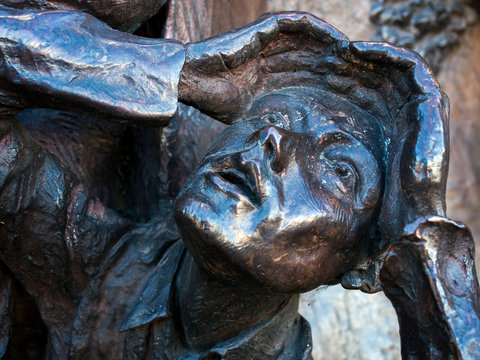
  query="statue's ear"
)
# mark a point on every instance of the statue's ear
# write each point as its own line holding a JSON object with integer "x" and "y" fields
{"x": 365, "y": 276}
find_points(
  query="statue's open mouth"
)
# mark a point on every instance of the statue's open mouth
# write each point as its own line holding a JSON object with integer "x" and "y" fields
{"x": 236, "y": 183}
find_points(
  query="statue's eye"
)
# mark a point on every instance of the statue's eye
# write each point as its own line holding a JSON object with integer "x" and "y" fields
{"x": 347, "y": 175}
{"x": 273, "y": 118}
{"x": 343, "y": 171}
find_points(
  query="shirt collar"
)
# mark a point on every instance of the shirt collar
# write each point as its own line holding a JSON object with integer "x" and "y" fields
{"x": 152, "y": 303}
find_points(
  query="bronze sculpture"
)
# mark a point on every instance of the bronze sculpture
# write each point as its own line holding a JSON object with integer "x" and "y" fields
{"x": 334, "y": 148}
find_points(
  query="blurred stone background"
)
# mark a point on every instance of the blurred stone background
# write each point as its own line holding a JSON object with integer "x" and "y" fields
{"x": 349, "y": 324}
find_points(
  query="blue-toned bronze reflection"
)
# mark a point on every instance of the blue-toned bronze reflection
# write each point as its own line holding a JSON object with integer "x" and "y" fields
{"x": 287, "y": 194}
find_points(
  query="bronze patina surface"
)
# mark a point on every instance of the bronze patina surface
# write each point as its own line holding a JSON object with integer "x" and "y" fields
{"x": 332, "y": 169}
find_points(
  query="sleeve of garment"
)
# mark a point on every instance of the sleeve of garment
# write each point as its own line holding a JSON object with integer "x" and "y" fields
{"x": 72, "y": 61}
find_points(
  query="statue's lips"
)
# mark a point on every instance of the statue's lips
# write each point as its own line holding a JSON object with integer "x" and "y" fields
{"x": 236, "y": 184}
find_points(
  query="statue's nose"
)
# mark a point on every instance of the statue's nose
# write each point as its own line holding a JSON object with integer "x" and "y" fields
{"x": 275, "y": 143}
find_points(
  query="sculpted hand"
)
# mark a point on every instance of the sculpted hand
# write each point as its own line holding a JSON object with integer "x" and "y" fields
{"x": 429, "y": 276}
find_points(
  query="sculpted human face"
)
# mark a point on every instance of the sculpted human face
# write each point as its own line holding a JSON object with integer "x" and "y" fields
{"x": 285, "y": 196}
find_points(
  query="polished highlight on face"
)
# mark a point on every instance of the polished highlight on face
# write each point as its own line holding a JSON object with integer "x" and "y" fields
{"x": 288, "y": 193}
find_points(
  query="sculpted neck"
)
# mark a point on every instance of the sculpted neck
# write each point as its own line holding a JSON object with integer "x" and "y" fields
{"x": 211, "y": 311}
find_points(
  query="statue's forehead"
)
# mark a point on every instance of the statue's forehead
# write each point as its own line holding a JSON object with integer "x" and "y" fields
{"x": 314, "y": 110}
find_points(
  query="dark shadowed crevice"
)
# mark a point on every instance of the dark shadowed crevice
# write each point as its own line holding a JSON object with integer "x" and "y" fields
{"x": 28, "y": 333}
{"x": 153, "y": 27}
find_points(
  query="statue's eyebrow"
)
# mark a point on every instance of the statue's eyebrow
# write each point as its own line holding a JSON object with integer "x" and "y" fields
{"x": 330, "y": 137}
{"x": 286, "y": 104}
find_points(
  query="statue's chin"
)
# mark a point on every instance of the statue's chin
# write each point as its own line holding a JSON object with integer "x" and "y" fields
{"x": 292, "y": 259}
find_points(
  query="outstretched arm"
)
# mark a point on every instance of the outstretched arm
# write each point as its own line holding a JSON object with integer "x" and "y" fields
{"x": 429, "y": 276}
{"x": 72, "y": 61}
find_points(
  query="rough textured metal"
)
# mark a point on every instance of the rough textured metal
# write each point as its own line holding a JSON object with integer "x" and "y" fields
{"x": 336, "y": 152}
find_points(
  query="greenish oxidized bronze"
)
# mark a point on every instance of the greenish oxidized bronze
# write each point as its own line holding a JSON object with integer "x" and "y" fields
{"x": 332, "y": 170}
